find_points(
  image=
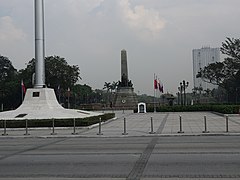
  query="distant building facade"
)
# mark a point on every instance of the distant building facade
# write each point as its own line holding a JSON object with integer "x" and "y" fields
{"x": 201, "y": 58}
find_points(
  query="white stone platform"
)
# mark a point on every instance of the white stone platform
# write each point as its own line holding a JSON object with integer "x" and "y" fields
{"x": 42, "y": 104}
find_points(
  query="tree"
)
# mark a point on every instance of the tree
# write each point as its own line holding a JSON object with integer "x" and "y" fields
{"x": 57, "y": 71}
{"x": 7, "y": 71}
{"x": 231, "y": 47}
{"x": 10, "y": 87}
{"x": 82, "y": 93}
{"x": 113, "y": 86}
{"x": 226, "y": 74}
{"x": 107, "y": 85}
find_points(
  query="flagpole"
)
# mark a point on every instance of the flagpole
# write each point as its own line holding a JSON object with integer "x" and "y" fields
{"x": 59, "y": 95}
{"x": 158, "y": 93}
{"x": 154, "y": 94}
{"x": 68, "y": 98}
{"x": 22, "y": 92}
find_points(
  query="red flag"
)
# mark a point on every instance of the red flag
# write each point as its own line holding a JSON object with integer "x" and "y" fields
{"x": 155, "y": 84}
{"x": 23, "y": 87}
{"x": 160, "y": 86}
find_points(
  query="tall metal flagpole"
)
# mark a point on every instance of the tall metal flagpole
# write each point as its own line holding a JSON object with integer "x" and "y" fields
{"x": 154, "y": 93}
{"x": 39, "y": 44}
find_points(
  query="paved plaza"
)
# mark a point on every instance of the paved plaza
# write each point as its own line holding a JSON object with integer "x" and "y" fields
{"x": 137, "y": 155}
{"x": 140, "y": 125}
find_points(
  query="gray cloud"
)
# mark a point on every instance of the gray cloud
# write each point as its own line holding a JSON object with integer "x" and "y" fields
{"x": 9, "y": 32}
{"x": 158, "y": 35}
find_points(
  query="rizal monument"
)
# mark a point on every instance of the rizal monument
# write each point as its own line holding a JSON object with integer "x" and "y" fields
{"x": 125, "y": 97}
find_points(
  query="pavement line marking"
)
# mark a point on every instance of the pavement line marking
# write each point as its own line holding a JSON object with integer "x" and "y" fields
{"x": 198, "y": 176}
{"x": 137, "y": 171}
{"x": 160, "y": 129}
{"x": 31, "y": 149}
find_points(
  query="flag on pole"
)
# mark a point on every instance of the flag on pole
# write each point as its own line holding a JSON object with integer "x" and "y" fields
{"x": 155, "y": 87}
{"x": 23, "y": 87}
{"x": 23, "y": 90}
{"x": 155, "y": 84}
{"x": 160, "y": 86}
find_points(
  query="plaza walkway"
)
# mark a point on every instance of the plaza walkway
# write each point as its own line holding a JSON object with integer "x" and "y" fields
{"x": 163, "y": 124}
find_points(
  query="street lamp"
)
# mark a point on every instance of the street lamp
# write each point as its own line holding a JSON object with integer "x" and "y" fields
{"x": 182, "y": 89}
{"x": 178, "y": 95}
{"x": 185, "y": 85}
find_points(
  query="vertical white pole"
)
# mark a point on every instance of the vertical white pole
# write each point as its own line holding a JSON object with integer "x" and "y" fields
{"x": 154, "y": 94}
{"x": 39, "y": 45}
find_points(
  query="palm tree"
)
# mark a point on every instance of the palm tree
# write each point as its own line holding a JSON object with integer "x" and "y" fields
{"x": 107, "y": 85}
{"x": 113, "y": 86}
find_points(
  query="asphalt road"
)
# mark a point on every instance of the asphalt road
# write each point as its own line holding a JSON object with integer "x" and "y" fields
{"x": 154, "y": 157}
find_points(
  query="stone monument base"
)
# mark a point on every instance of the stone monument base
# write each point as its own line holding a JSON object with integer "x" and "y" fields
{"x": 42, "y": 104}
{"x": 125, "y": 98}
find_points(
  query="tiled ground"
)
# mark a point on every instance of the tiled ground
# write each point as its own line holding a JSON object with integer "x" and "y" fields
{"x": 140, "y": 125}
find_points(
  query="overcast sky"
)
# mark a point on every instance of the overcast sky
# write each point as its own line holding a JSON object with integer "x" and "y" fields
{"x": 159, "y": 36}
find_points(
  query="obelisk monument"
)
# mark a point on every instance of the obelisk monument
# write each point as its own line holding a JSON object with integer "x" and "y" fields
{"x": 124, "y": 68}
{"x": 125, "y": 97}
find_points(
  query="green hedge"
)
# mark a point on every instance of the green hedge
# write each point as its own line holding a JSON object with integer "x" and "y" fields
{"x": 225, "y": 109}
{"x": 58, "y": 122}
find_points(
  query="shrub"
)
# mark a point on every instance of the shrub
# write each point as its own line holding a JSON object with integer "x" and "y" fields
{"x": 58, "y": 122}
{"x": 225, "y": 109}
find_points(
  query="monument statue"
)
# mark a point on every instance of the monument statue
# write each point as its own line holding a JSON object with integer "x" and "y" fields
{"x": 125, "y": 96}
{"x": 125, "y": 82}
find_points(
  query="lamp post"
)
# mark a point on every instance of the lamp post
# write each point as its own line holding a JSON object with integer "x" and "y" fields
{"x": 185, "y": 85}
{"x": 182, "y": 89}
{"x": 178, "y": 95}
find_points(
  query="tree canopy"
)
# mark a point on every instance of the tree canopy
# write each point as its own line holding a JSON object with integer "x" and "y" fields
{"x": 59, "y": 76}
{"x": 226, "y": 74}
{"x": 10, "y": 94}
{"x": 7, "y": 71}
{"x": 58, "y": 73}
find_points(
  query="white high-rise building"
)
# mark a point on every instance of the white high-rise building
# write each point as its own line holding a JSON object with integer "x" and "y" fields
{"x": 201, "y": 58}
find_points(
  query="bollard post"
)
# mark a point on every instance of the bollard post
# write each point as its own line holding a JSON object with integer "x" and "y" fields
{"x": 180, "y": 121}
{"x": 226, "y": 123}
{"x": 205, "y": 125}
{"x": 100, "y": 127}
{"x": 5, "y": 128}
{"x": 74, "y": 126}
{"x": 151, "y": 132}
{"x": 26, "y": 123}
{"x": 124, "y": 127}
{"x": 53, "y": 127}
